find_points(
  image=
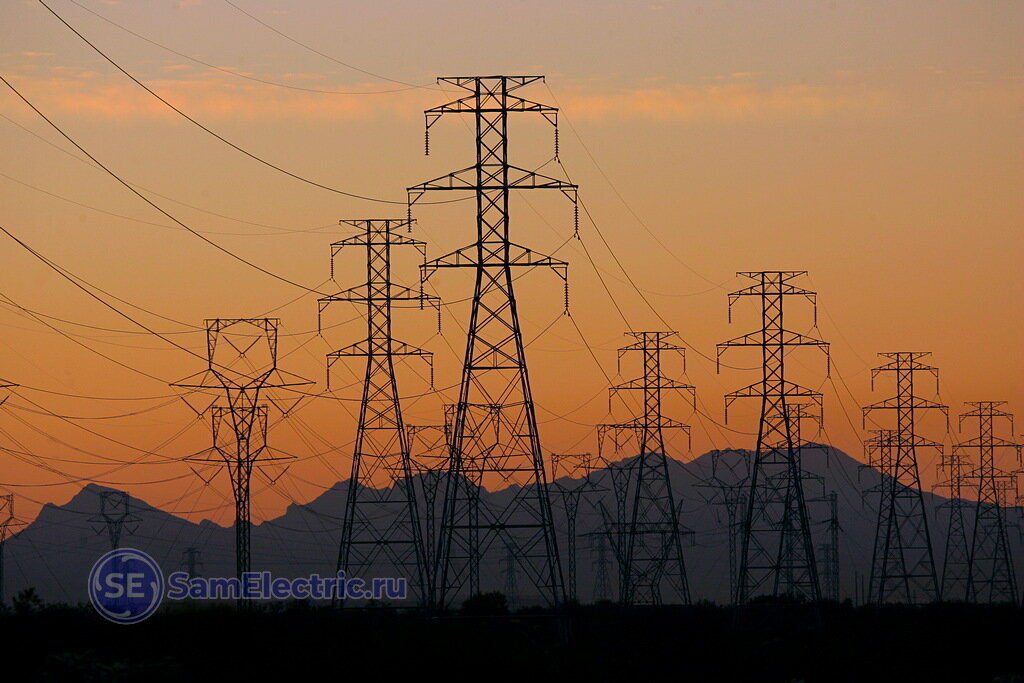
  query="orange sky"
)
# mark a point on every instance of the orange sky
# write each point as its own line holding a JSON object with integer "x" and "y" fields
{"x": 877, "y": 147}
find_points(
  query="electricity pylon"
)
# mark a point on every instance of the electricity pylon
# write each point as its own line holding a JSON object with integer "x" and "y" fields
{"x": 7, "y": 522}
{"x": 115, "y": 516}
{"x": 570, "y": 496}
{"x": 241, "y": 356}
{"x": 991, "y": 576}
{"x": 651, "y": 551}
{"x": 381, "y": 529}
{"x": 729, "y": 491}
{"x": 428, "y": 446}
{"x": 776, "y": 549}
{"x": 956, "y": 560}
{"x": 495, "y": 440}
{"x": 904, "y": 563}
{"x": 191, "y": 561}
{"x": 830, "y": 550}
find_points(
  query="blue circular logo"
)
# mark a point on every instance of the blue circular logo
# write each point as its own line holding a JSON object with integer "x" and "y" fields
{"x": 126, "y": 585}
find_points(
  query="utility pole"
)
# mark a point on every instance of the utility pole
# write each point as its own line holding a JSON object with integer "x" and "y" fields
{"x": 990, "y": 575}
{"x": 241, "y": 358}
{"x": 115, "y": 516}
{"x": 191, "y": 561}
{"x": 381, "y": 529}
{"x": 904, "y": 564}
{"x": 7, "y": 522}
{"x": 956, "y": 561}
{"x": 776, "y": 548}
{"x": 495, "y": 447}
{"x": 652, "y": 549}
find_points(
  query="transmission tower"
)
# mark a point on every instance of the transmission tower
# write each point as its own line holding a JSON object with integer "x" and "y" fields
{"x": 494, "y": 371}
{"x": 830, "y": 550}
{"x": 191, "y": 561}
{"x": 8, "y": 522}
{"x": 990, "y": 575}
{"x": 570, "y": 495}
{"x": 429, "y": 451}
{"x": 651, "y": 550}
{"x": 776, "y": 549}
{"x": 241, "y": 363}
{"x": 729, "y": 492}
{"x": 115, "y": 517}
{"x": 904, "y": 564}
{"x": 956, "y": 561}
{"x": 600, "y": 562}
{"x": 381, "y": 529}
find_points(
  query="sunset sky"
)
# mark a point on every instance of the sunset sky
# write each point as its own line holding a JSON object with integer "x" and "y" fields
{"x": 876, "y": 145}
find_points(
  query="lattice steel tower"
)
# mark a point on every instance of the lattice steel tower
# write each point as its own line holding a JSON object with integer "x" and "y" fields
{"x": 651, "y": 549}
{"x": 242, "y": 364}
{"x": 776, "y": 549}
{"x": 956, "y": 560}
{"x": 495, "y": 439}
{"x": 990, "y": 576}
{"x": 115, "y": 516}
{"x": 7, "y": 522}
{"x": 381, "y": 530}
{"x": 903, "y": 566}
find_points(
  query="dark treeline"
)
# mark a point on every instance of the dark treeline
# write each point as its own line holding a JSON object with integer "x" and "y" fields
{"x": 766, "y": 643}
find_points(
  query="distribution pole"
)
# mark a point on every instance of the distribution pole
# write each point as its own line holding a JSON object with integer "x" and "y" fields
{"x": 115, "y": 516}
{"x": 956, "y": 561}
{"x": 495, "y": 447}
{"x": 381, "y": 530}
{"x": 651, "y": 551}
{"x": 904, "y": 563}
{"x": 242, "y": 363}
{"x": 776, "y": 549}
{"x": 991, "y": 576}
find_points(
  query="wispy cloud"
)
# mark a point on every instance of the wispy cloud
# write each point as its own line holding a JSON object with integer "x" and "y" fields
{"x": 726, "y": 102}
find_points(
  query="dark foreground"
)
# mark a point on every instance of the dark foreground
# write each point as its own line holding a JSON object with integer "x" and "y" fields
{"x": 769, "y": 644}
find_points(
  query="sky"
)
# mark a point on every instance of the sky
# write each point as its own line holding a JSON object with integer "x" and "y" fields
{"x": 876, "y": 145}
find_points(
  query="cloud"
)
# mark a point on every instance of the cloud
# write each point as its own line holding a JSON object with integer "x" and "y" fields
{"x": 211, "y": 97}
{"x": 727, "y": 102}
{"x": 37, "y": 54}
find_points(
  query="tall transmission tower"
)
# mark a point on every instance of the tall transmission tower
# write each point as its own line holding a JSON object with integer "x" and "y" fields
{"x": 115, "y": 516}
{"x": 903, "y": 566}
{"x": 8, "y": 522}
{"x": 497, "y": 447}
{"x": 990, "y": 575}
{"x": 381, "y": 529}
{"x": 651, "y": 551}
{"x": 242, "y": 364}
{"x": 956, "y": 560}
{"x": 776, "y": 549}
{"x": 191, "y": 561}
